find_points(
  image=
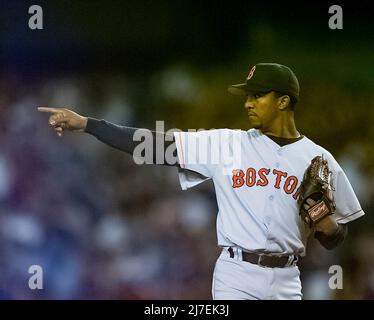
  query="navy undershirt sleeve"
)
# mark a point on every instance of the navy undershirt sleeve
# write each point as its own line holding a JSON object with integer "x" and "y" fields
{"x": 122, "y": 138}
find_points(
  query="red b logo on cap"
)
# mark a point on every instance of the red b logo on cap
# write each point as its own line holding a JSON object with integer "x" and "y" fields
{"x": 250, "y": 75}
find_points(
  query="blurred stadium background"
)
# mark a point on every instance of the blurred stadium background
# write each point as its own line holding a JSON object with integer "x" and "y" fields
{"x": 104, "y": 228}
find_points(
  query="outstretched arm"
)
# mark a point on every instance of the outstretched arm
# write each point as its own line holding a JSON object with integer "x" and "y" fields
{"x": 119, "y": 137}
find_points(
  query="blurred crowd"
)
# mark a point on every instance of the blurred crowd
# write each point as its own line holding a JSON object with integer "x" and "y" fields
{"x": 102, "y": 227}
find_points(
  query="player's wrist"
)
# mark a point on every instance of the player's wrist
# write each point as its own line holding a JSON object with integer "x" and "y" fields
{"x": 92, "y": 125}
{"x": 84, "y": 123}
{"x": 328, "y": 226}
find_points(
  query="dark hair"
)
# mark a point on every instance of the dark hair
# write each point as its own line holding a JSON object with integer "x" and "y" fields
{"x": 293, "y": 100}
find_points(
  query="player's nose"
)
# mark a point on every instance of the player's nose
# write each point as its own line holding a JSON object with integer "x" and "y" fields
{"x": 248, "y": 104}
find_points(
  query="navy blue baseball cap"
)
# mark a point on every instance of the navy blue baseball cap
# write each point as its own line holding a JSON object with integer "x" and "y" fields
{"x": 265, "y": 77}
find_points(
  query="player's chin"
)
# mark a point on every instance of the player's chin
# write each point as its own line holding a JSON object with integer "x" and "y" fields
{"x": 254, "y": 122}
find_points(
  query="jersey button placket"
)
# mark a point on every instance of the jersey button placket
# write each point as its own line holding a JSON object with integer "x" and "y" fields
{"x": 277, "y": 163}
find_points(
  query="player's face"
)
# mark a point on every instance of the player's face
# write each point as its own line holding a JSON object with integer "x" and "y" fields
{"x": 262, "y": 109}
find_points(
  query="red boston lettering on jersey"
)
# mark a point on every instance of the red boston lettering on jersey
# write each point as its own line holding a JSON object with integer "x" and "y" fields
{"x": 279, "y": 175}
{"x": 253, "y": 177}
{"x": 290, "y": 184}
{"x": 263, "y": 181}
{"x": 250, "y": 177}
{"x": 237, "y": 178}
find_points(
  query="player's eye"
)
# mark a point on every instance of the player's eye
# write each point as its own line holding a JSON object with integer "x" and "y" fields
{"x": 259, "y": 95}
{"x": 255, "y": 95}
{"x": 252, "y": 95}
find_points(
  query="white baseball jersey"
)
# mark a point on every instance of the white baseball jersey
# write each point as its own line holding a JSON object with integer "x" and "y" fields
{"x": 257, "y": 184}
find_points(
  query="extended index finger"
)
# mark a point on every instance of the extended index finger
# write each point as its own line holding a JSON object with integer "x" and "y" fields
{"x": 49, "y": 110}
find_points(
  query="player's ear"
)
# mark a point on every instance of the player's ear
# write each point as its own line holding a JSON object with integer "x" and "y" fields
{"x": 283, "y": 102}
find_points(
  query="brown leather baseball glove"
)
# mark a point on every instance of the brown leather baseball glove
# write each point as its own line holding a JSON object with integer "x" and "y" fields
{"x": 316, "y": 185}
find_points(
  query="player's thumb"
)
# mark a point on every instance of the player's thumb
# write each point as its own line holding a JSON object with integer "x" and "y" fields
{"x": 58, "y": 121}
{"x": 59, "y": 131}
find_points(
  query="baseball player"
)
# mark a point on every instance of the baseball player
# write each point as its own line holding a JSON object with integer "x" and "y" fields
{"x": 257, "y": 176}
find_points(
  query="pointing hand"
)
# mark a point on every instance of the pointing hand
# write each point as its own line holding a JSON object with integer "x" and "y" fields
{"x": 64, "y": 119}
